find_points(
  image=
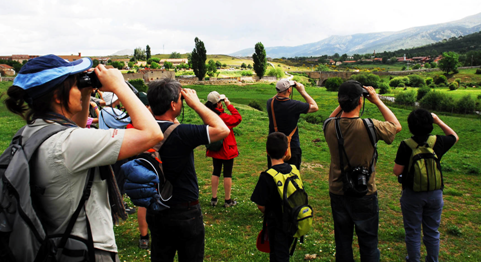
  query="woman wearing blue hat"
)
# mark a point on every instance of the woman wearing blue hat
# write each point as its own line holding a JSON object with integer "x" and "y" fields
{"x": 48, "y": 85}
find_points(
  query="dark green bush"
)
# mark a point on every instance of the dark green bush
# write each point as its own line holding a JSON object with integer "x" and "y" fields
{"x": 453, "y": 86}
{"x": 333, "y": 83}
{"x": 440, "y": 79}
{"x": 401, "y": 85}
{"x": 367, "y": 79}
{"x": 458, "y": 80}
{"x": 417, "y": 81}
{"x": 422, "y": 92}
{"x": 384, "y": 88}
{"x": 438, "y": 101}
{"x": 254, "y": 104}
{"x": 398, "y": 80}
{"x": 139, "y": 84}
{"x": 406, "y": 98}
{"x": 314, "y": 118}
{"x": 478, "y": 71}
{"x": 432, "y": 85}
{"x": 428, "y": 80}
{"x": 466, "y": 105}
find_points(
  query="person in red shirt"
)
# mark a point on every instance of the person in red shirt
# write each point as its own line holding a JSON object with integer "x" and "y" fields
{"x": 225, "y": 156}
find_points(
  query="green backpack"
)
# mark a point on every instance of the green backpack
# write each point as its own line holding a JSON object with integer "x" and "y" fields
{"x": 424, "y": 173}
{"x": 297, "y": 215}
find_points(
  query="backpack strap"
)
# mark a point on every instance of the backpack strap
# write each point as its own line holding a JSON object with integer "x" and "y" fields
{"x": 372, "y": 136}
{"x": 167, "y": 133}
{"x": 274, "y": 119}
{"x": 431, "y": 141}
{"x": 35, "y": 140}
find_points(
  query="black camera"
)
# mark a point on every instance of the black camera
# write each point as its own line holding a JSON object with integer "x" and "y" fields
{"x": 361, "y": 175}
{"x": 365, "y": 93}
{"x": 88, "y": 79}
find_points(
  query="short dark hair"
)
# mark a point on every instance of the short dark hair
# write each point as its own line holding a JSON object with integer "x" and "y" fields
{"x": 420, "y": 122}
{"x": 347, "y": 105}
{"x": 276, "y": 145}
{"x": 161, "y": 93}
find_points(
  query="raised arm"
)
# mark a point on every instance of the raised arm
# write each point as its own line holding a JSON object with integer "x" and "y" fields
{"x": 446, "y": 129}
{"x": 217, "y": 128}
{"x": 146, "y": 132}
{"x": 385, "y": 111}
{"x": 312, "y": 103}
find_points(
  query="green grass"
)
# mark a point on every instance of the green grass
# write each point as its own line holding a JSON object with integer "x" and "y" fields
{"x": 231, "y": 233}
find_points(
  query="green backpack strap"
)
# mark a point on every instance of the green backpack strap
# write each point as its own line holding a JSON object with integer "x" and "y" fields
{"x": 431, "y": 141}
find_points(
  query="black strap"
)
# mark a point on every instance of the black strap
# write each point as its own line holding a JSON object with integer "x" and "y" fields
{"x": 372, "y": 136}
{"x": 73, "y": 219}
{"x": 293, "y": 247}
{"x": 340, "y": 142}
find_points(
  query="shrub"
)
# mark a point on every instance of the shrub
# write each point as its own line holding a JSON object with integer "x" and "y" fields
{"x": 247, "y": 73}
{"x": 254, "y": 104}
{"x": 454, "y": 230}
{"x": 417, "y": 81}
{"x": 434, "y": 64}
{"x": 453, "y": 86}
{"x": 384, "y": 88}
{"x": 367, "y": 79}
{"x": 406, "y": 98}
{"x": 333, "y": 83}
{"x": 397, "y": 80}
{"x": 437, "y": 101}
{"x": 277, "y": 72}
{"x": 428, "y": 80}
{"x": 416, "y": 66}
{"x": 432, "y": 85}
{"x": 466, "y": 105}
{"x": 403, "y": 68}
{"x": 401, "y": 85}
{"x": 440, "y": 79}
{"x": 478, "y": 71}
{"x": 422, "y": 92}
{"x": 139, "y": 85}
{"x": 458, "y": 80}
{"x": 314, "y": 118}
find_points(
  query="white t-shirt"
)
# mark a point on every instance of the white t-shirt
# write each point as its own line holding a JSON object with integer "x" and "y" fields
{"x": 61, "y": 167}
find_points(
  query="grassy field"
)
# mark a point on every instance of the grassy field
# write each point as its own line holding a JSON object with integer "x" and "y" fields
{"x": 231, "y": 233}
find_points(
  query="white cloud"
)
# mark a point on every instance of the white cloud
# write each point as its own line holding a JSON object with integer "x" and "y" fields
{"x": 102, "y": 27}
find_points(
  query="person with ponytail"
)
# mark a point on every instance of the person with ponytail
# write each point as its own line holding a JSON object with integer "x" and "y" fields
{"x": 225, "y": 156}
{"x": 44, "y": 93}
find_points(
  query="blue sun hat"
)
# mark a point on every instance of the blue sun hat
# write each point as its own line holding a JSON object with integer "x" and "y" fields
{"x": 41, "y": 74}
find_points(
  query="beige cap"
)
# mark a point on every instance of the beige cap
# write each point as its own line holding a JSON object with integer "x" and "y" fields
{"x": 283, "y": 85}
{"x": 214, "y": 97}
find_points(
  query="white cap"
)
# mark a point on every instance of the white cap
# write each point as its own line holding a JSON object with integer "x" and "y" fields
{"x": 214, "y": 97}
{"x": 109, "y": 98}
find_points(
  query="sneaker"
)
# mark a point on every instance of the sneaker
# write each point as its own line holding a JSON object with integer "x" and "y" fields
{"x": 129, "y": 210}
{"x": 143, "y": 243}
{"x": 213, "y": 202}
{"x": 231, "y": 203}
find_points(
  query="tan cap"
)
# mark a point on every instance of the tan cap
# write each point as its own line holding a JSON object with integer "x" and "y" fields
{"x": 214, "y": 97}
{"x": 283, "y": 85}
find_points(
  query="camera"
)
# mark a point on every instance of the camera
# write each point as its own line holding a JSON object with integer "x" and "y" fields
{"x": 88, "y": 79}
{"x": 365, "y": 93}
{"x": 361, "y": 175}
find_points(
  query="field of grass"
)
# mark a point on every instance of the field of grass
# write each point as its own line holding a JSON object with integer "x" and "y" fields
{"x": 231, "y": 233}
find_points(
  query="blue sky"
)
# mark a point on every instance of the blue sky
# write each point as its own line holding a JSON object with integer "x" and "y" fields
{"x": 103, "y": 27}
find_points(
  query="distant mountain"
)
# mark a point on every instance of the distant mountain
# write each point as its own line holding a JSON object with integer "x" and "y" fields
{"x": 124, "y": 52}
{"x": 384, "y": 41}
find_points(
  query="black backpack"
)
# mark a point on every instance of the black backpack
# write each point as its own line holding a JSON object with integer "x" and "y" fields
{"x": 22, "y": 235}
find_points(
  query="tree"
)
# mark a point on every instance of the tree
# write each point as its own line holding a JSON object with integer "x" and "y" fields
{"x": 154, "y": 65}
{"x": 249, "y": 66}
{"x": 167, "y": 65}
{"x": 343, "y": 58}
{"x": 449, "y": 62}
{"x": 147, "y": 51}
{"x": 244, "y": 65}
{"x": 175, "y": 55}
{"x": 131, "y": 64}
{"x": 198, "y": 58}
{"x": 260, "y": 60}
{"x": 211, "y": 66}
{"x": 224, "y": 65}
{"x": 218, "y": 63}
{"x": 95, "y": 63}
{"x": 139, "y": 54}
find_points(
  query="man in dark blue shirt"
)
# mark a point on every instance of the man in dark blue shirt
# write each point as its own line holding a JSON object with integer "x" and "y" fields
{"x": 180, "y": 228}
{"x": 286, "y": 115}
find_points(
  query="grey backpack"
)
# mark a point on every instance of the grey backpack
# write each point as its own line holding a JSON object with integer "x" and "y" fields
{"x": 22, "y": 236}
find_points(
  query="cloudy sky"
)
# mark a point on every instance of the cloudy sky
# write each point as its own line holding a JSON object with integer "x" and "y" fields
{"x": 103, "y": 27}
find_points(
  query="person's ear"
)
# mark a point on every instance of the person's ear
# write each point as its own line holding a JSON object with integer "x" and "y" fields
{"x": 56, "y": 97}
{"x": 172, "y": 105}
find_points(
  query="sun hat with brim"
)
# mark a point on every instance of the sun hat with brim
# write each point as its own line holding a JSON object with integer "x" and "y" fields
{"x": 41, "y": 74}
{"x": 283, "y": 85}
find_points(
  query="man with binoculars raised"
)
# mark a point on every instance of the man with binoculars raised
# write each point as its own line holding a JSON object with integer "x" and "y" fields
{"x": 283, "y": 115}
{"x": 352, "y": 144}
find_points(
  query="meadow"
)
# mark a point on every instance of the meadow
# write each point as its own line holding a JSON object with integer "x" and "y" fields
{"x": 231, "y": 233}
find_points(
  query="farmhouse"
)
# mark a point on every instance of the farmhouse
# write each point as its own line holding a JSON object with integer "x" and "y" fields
{"x": 6, "y": 70}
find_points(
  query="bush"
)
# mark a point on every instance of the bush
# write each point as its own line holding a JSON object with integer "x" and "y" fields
{"x": 466, "y": 105}
{"x": 254, "y": 104}
{"x": 458, "y": 80}
{"x": 428, "y": 81}
{"x": 440, "y": 79}
{"x": 314, "y": 118}
{"x": 367, "y": 79}
{"x": 401, "y": 85}
{"x": 403, "y": 68}
{"x": 277, "y": 72}
{"x": 247, "y": 73}
{"x": 417, "y": 81}
{"x": 422, "y": 92}
{"x": 139, "y": 85}
{"x": 432, "y": 85}
{"x": 406, "y": 98}
{"x": 453, "y": 86}
{"x": 478, "y": 71}
{"x": 437, "y": 101}
{"x": 397, "y": 80}
{"x": 333, "y": 83}
{"x": 384, "y": 88}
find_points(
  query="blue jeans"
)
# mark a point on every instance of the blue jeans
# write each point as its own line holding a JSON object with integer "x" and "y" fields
{"x": 422, "y": 208}
{"x": 361, "y": 214}
{"x": 177, "y": 229}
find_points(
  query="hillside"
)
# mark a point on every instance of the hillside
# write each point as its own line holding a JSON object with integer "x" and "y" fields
{"x": 382, "y": 41}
